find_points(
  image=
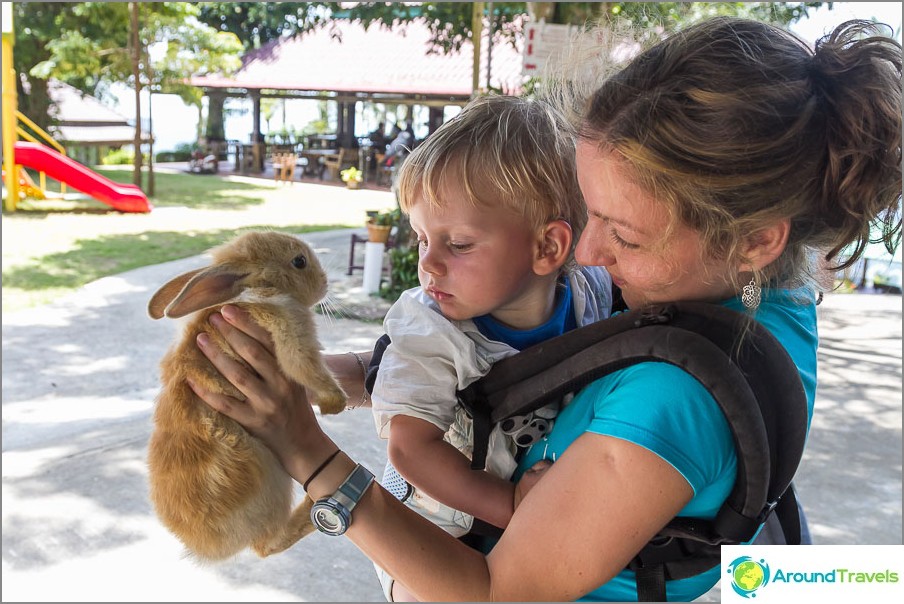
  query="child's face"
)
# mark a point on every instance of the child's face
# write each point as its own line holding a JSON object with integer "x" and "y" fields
{"x": 475, "y": 260}
{"x": 624, "y": 234}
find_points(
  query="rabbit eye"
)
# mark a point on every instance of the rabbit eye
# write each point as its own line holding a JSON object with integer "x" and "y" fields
{"x": 300, "y": 261}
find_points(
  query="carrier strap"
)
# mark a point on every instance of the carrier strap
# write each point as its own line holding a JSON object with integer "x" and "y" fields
{"x": 749, "y": 374}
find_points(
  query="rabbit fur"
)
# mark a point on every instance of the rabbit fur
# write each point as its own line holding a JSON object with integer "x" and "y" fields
{"x": 212, "y": 484}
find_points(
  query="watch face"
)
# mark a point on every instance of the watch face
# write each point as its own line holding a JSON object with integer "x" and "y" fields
{"x": 328, "y": 519}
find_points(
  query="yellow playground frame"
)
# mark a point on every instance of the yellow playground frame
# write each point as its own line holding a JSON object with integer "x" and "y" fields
{"x": 17, "y": 181}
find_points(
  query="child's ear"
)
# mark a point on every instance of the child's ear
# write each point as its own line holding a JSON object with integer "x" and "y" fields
{"x": 553, "y": 247}
{"x": 764, "y": 246}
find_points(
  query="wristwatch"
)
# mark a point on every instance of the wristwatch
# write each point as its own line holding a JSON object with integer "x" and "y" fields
{"x": 333, "y": 515}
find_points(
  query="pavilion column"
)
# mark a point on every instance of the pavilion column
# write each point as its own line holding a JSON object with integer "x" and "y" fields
{"x": 345, "y": 118}
{"x": 257, "y": 140}
{"x": 434, "y": 118}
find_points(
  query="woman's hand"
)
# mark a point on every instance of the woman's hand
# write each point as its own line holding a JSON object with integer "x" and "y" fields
{"x": 529, "y": 479}
{"x": 275, "y": 409}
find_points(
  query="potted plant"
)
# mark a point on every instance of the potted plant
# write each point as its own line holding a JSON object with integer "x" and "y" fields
{"x": 352, "y": 177}
{"x": 379, "y": 225}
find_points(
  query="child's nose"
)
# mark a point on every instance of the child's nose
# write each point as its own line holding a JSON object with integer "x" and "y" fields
{"x": 430, "y": 262}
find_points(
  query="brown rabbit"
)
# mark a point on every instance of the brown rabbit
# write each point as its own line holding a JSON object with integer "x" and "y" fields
{"x": 216, "y": 487}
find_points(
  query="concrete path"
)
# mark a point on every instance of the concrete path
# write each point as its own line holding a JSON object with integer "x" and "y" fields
{"x": 79, "y": 379}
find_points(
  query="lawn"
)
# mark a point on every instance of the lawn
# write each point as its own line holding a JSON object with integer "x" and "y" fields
{"x": 52, "y": 248}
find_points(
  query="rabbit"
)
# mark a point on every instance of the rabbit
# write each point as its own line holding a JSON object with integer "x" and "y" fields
{"x": 212, "y": 484}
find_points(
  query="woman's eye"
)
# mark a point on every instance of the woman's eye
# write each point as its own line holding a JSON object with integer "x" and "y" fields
{"x": 616, "y": 238}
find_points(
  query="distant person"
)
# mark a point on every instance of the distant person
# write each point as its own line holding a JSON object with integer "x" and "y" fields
{"x": 378, "y": 138}
{"x": 400, "y": 146}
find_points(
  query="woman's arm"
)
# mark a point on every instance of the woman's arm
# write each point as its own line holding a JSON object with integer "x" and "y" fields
{"x": 350, "y": 369}
{"x": 574, "y": 530}
{"x": 417, "y": 450}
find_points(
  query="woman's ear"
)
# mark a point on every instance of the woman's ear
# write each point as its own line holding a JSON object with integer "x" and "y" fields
{"x": 764, "y": 246}
{"x": 553, "y": 247}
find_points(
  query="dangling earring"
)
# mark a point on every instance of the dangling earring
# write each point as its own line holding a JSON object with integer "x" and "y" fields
{"x": 750, "y": 295}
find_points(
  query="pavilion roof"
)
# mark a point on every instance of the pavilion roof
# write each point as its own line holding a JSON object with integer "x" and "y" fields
{"x": 83, "y": 119}
{"x": 343, "y": 57}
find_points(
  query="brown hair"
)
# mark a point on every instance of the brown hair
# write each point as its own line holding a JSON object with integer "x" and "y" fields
{"x": 734, "y": 124}
{"x": 500, "y": 151}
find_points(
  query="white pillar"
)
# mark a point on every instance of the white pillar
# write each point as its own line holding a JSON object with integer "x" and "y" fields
{"x": 373, "y": 266}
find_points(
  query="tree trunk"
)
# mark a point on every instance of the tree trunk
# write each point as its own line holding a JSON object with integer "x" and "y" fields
{"x": 215, "y": 128}
{"x": 136, "y": 69}
{"x": 150, "y": 75}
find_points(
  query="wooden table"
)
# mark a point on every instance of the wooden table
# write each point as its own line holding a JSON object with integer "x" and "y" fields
{"x": 314, "y": 167}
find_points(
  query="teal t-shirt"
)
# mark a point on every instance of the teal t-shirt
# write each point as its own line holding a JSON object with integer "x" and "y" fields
{"x": 663, "y": 409}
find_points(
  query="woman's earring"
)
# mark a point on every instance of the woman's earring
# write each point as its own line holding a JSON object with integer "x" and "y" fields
{"x": 750, "y": 295}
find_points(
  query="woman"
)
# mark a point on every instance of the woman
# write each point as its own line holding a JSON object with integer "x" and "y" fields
{"x": 728, "y": 163}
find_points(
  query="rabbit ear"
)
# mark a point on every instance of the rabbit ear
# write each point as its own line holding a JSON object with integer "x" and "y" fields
{"x": 168, "y": 292}
{"x": 201, "y": 289}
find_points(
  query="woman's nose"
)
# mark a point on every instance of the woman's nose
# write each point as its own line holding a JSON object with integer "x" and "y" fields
{"x": 593, "y": 249}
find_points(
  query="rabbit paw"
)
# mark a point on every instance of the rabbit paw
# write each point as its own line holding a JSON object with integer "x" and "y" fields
{"x": 331, "y": 402}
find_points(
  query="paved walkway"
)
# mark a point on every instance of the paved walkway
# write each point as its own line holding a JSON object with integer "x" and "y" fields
{"x": 79, "y": 379}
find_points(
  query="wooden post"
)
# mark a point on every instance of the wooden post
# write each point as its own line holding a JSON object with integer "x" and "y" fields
{"x": 136, "y": 72}
{"x": 476, "y": 35}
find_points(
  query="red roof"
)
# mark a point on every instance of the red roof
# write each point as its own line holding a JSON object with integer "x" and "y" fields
{"x": 344, "y": 57}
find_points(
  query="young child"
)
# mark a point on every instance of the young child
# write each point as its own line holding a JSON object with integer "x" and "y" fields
{"x": 493, "y": 199}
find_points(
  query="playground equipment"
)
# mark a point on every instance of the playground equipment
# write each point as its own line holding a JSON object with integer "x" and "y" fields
{"x": 48, "y": 159}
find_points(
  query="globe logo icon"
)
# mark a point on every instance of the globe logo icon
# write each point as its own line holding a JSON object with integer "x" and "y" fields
{"x": 748, "y": 575}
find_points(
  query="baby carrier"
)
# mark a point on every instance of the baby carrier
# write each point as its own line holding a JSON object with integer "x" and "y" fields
{"x": 748, "y": 373}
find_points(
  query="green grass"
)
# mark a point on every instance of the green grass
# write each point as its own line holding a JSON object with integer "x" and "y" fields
{"x": 197, "y": 191}
{"x": 50, "y": 276}
{"x": 44, "y": 268}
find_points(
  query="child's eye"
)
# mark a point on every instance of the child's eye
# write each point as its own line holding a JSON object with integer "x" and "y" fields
{"x": 461, "y": 247}
{"x": 422, "y": 243}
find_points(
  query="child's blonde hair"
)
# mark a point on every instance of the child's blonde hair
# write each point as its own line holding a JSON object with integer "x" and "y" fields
{"x": 500, "y": 151}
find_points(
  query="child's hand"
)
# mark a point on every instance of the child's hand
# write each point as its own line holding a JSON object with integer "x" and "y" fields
{"x": 529, "y": 479}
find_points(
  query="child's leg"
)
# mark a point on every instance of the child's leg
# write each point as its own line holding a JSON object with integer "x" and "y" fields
{"x": 393, "y": 591}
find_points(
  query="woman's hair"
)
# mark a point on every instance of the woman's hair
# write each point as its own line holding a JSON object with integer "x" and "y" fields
{"x": 500, "y": 151}
{"x": 735, "y": 124}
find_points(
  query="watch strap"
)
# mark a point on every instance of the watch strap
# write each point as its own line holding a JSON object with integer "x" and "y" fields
{"x": 353, "y": 487}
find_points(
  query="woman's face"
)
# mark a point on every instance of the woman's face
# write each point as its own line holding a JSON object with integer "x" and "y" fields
{"x": 624, "y": 233}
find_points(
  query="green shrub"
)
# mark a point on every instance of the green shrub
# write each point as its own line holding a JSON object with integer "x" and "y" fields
{"x": 403, "y": 274}
{"x": 182, "y": 152}
{"x": 121, "y": 157}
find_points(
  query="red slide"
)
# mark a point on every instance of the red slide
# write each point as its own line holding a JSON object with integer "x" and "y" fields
{"x": 125, "y": 198}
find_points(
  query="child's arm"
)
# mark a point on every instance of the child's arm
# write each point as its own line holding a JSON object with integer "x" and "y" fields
{"x": 417, "y": 450}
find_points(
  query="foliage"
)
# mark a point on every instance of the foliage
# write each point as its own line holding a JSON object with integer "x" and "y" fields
{"x": 121, "y": 157}
{"x": 389, "y": 218}
{"x": 182, "y": 152}
{"x": 86, "y": 44}
{"x": 403, "y": 274}
{"x": 450, "y": 22}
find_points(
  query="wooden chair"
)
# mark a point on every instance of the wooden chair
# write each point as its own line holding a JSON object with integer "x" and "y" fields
{"x": 356, "y": 239}
{"x": 284, "y": 166}
{"x": 343, "y": 158}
